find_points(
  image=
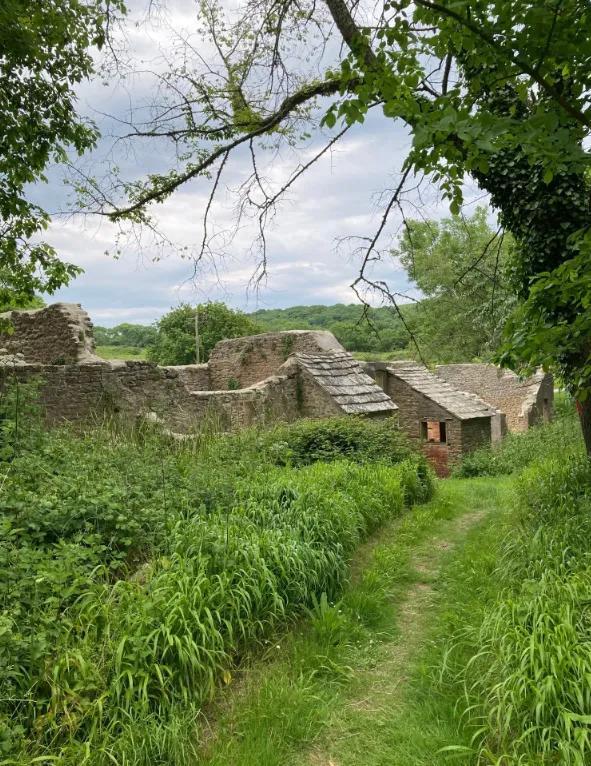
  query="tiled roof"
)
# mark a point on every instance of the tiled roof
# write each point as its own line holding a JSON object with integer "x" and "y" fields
{"x": 342, "y": 377}
{"x": 461, "y": 404}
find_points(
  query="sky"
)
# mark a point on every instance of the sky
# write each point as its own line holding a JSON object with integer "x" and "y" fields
{"x": 311, "y": 258}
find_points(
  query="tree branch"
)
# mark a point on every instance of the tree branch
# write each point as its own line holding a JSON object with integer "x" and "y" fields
{"x": 510, "y": 56}
{"x": 289, "y": 104}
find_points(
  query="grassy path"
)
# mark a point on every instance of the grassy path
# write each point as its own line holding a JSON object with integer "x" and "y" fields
{"x": 359, "y": 683}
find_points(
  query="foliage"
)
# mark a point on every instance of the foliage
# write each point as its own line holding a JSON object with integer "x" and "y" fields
{"x": 460, "y": 266}
{"x": 519, "y": 450}
{"x": 126, "y": 334}
{"x": 15, "y": 302}
{"x": 136, "y": 570}
{"x": 327, "y": 687}
{"x": 527, "y": 684}
{"x": 372, "y": 329}
{"x": 175, "y": 332}
{"x": 44, "y": 54}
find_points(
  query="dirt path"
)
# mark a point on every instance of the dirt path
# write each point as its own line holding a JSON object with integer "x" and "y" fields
{"x": 387, "y": 680}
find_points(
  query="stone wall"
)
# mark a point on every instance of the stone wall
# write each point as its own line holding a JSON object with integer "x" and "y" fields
{"x": 462, "y": 436}
{"x": 57, "y": 334}
{"x": 244, "y": 361}
{"x": 524, "y": 402}
{"x": 82, "y": 392}
{"x": 413, "y": 408}
{"x": 250, "y": 380}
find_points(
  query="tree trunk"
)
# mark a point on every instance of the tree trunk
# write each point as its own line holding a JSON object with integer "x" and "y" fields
{"x": 584, "y": 410}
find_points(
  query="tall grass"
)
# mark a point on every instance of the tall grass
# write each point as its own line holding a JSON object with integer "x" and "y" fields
{"x": 528, "y": 685}
{"x": 135, "y": 572}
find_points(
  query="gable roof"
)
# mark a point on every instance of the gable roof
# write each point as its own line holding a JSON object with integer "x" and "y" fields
{"x": 460, "y": 404}
{"x": 343, "y": 379}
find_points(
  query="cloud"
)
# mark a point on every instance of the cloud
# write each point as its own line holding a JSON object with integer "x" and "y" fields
{"x": 311, "y": 241}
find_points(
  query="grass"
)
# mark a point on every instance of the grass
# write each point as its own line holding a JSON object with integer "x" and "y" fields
{"x": 562, "y": 436}
{"x": 334, "y": 691}
{"x": 121, "y": 352}
{"x": 136, "y": 573}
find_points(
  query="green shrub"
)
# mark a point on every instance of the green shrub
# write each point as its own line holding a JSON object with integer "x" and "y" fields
{"x": 360, "y": 439}
{"x": 136, "y": 571}
{"x": 528, "y": 686}
{"x": 562, "y": 436}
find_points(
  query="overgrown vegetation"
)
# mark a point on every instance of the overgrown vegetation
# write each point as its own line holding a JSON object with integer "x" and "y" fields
{"x": 562, "y": 436}
{"x": 135, "y": 572}
{"x": 527, "y": 686}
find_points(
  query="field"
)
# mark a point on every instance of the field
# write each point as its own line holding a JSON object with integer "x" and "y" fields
{"x": 121, "y": 352}
{"x": 301, "y": 595}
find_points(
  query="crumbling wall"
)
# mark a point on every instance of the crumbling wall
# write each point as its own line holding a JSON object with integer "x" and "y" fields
{"x": 524, "y": 402}
{"x": 240, "y": 362}
{"x": 81, "y": 392}
{"x": 77, "y": 392}
{"x": 272, "y": 400}
{"x": 56, "y": 334}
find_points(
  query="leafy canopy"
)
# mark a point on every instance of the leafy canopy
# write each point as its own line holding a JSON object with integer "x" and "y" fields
{"x": 460, "y": 265}
{"x": 175, "y": 332}
{"x": 44, "y": 53}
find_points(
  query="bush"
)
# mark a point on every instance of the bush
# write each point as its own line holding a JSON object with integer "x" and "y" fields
{"x": 529, "y": 684}
{"x": 562, "y": 436}
{"x": 135, "y": 571}
{"x": 359, "y": 439}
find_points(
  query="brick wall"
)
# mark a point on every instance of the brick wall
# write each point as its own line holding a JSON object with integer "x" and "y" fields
{"x": 57, "y": 334}
{"x": 252, "y": 359}
{"x": 524, "y": 402}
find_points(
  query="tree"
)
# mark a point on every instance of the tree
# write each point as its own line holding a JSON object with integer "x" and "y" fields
{"x": 175, "y": 336}
{"x": 499, "y": 90}
{"x": 44, "y": 52}
{"x": 126, "y": 334}
{"x": 460, "y": 265}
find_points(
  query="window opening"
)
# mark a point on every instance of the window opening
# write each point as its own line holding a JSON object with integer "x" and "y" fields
{"x": 434, "y": 431}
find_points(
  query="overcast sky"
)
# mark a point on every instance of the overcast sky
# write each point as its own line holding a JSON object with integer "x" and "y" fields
{"x": 337, "y": 198}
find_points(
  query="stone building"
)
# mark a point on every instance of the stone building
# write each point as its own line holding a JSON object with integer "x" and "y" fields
{"x": 258, "y": 379}
{"x": 525, "y": 402}
{"x": 447, "y": 423}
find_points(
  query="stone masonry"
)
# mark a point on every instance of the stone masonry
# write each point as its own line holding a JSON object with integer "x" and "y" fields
{"x": 58, "y": 334}
{"x": 524, "y": 402}
{"x": 259, "y": 379}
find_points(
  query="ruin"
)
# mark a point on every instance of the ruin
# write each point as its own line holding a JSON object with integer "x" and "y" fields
{"x": 264, "y": 378}
{"x": 253, "y": 380}
{"x": 525, "y": 402}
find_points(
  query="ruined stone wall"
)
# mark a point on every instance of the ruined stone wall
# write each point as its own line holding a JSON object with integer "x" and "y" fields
{"x": 80, "y": 392}
{"x": 57, "y": 334}
{"x": 313, "y": 401}
{"x": 75, "y": 392}
{"x": 262, "y": 404}
{"x": 194, "y": 376}
{"x": 414, "y": 407}
{"x": 244, "y": 361}
{"x": 525, "y": 402}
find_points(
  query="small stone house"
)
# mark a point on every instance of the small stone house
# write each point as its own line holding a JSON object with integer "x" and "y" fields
{"x": 447, "y": 423}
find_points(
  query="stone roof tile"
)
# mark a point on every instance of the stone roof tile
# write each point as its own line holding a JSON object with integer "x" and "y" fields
{"x": 342, "y": 377}
{"x": 461, "y": 404}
